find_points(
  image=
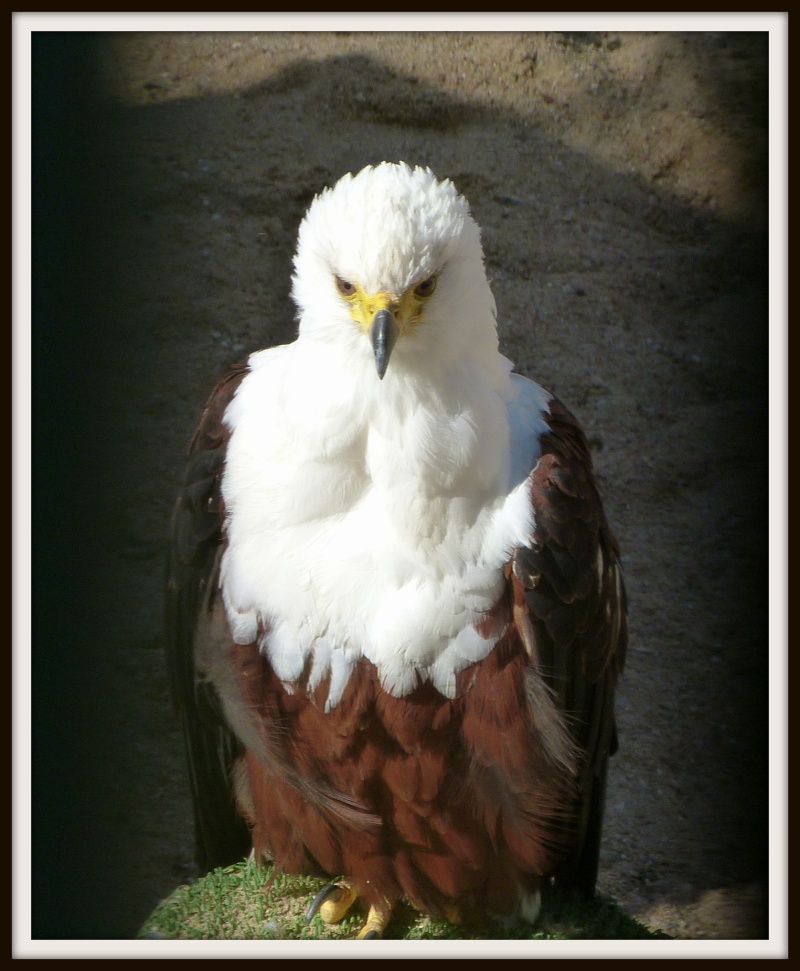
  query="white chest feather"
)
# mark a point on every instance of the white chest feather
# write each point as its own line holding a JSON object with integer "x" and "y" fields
{"x": 373, "y": 524}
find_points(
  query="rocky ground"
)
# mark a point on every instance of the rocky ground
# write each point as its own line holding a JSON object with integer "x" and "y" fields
{"x": 620, "y": 180}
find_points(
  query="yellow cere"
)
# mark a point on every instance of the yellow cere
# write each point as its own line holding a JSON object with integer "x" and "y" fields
{"x": 407, "y": 309}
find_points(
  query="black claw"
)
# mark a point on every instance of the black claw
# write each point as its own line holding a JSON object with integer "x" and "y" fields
{"x": 319, "y": 900}
{"x": 371, "y": 936}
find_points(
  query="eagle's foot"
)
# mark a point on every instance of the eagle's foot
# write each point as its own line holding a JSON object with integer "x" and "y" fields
{"x": 452, "y": 913}
{"x": 332, "y": 902}
{"x": 375, "y": 925}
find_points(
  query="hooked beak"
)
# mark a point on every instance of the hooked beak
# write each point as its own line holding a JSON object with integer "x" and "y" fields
{"x": 383, "y": 333}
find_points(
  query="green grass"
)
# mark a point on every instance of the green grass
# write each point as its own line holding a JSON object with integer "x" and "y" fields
{"x": 233, "y": 903}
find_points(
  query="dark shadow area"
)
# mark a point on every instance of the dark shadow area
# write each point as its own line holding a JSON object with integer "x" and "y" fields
{"x": 71, "y": 702}
{"x": 163, "y": 235}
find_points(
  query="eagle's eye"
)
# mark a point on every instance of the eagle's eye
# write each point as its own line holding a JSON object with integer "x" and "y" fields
{"x": 426, "y": 288}
{"x": 346, "y": 289}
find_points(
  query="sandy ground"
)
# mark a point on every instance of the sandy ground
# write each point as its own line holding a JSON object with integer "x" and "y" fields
{"x": 620, "y": 183}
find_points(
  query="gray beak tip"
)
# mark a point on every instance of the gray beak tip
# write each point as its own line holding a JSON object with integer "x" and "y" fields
{"x": 383, "y": 334}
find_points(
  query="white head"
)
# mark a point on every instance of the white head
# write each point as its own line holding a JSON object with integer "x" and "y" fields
{"x": 389, "y": 262}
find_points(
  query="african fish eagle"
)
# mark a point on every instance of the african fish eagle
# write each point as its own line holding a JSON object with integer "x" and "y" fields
{"x": 396, "y": 614}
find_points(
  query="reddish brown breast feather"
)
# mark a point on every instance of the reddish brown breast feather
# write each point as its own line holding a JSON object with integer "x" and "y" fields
{"x": 463, "y": 801}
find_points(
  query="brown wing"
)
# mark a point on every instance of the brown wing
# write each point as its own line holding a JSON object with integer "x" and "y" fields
{"x": 221, "y": 836}
{"x": 221, "y": 689}
{"x": 571, "y": 613}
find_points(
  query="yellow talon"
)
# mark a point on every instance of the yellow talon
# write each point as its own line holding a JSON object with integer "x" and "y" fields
{"x": 375, "y": 924}
{"x": 332, "y": 902}
{"x": 335, "y": 906}
{"x": 452, "y": 912}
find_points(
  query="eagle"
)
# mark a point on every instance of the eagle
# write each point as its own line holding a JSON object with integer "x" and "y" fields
{"x": 396, "y": 616}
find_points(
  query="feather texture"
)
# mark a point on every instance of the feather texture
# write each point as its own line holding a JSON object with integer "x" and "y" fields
{"x": 396, "y": 615}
